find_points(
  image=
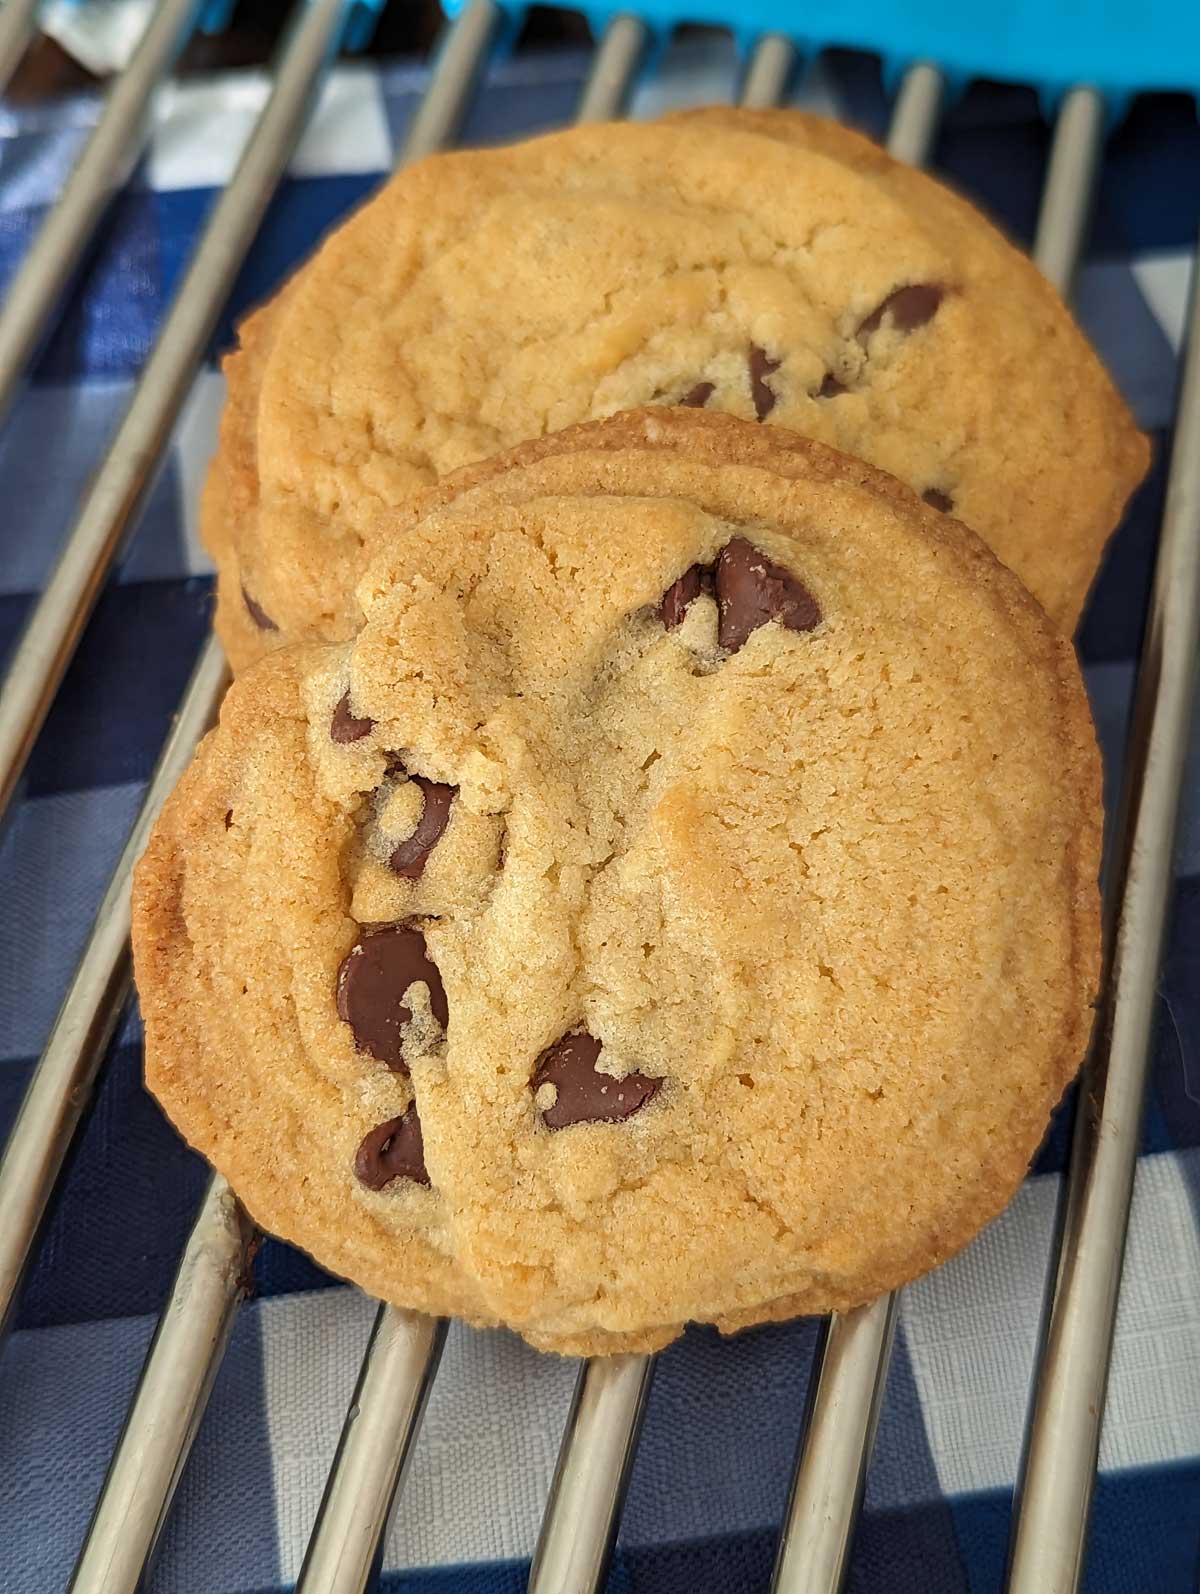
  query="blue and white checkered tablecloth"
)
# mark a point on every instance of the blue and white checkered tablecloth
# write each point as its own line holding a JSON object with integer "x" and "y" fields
{"x": 710, "y": 1477}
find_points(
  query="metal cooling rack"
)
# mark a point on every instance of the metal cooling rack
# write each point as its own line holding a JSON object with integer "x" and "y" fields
{"x": 400, "y": 1364}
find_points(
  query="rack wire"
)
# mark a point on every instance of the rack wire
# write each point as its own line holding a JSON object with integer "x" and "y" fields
{"x": 400, "y": 1364}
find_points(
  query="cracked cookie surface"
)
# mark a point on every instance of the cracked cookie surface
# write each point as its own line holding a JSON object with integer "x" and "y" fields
{"x": 678, "y": 902}
{"x": 769, "y": 265}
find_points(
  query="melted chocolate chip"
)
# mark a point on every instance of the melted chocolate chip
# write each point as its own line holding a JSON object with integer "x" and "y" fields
{"x": 584, "y": 1094}
{"x": 375, "y": 973}
{"x": 394, "y": 1150}
{"x": 761, "y": 366}
{"x": 697, "y": 397}
{"x": 937, "y": 499}
{"x": 408, "y": 859}
{"x": 346, "y": 727}
{"x": 909, "y": 308}
{"x": 679, "y": 595}
{"x": 831, "y": 387}
{"x": 257, "y": 613}
{"x": 752, "y": 589}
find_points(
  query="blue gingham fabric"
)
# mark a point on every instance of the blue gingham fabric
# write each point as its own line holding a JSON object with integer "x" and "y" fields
{"x": 709, "y": 1483}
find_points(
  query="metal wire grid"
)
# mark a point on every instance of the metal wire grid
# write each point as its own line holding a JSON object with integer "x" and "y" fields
{"x": 402, "y": 1354}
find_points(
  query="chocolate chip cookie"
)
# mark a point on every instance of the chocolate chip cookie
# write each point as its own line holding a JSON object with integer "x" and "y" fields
{"x": 767, "y": 264}
{"x": 678, "y": 902}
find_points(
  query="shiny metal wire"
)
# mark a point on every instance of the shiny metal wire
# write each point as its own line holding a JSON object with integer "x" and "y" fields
{"x": 213, "y": 1272}
{"x": 848, "y": 1381}
{"x": 67, "y": 1069}
{"x": 461, "y": 59}
{"x": 100, "y": 172}
{"x": 1070, "y": 186}
{"x": 49, "y": 639}
{"x": 63, "y": 1081}
{"x": 404, "y": 1349}
{"x": 1063, "y": 1440}
{"x": 177, "y": 1378}
{"x": 845, "y": 1396}
{"x": 614, "y": 70}
{"x": 770, "y": 70}
{"x": 368, "y": 1470}
{"x": 347, "y": 1526}
{"x": 815, "y": 1547}
{"x": 917, "y": 114}
{"x": 595, "y": 1459}
{"x": 18, "y": 22}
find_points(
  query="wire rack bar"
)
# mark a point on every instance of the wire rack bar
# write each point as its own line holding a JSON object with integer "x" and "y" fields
{"x": 457, "y": 71}
{"x": 402, "y": 1355}
{"x": 18, "y": 19}
{"x": 595, "y": 1459}
{"x": 769, "y": 72}
{"x": 66, "y": 1073}
{"x": 849, "y": 1377}
{"x": 189, "y": 1341}
{"x": 1070, "y": 186}
{"x": 373, "y": 1453}
{"x": 1063, "y": 1442}
{"x": 845, "y": 1395}
{"x": 101, "y": 171}
{"x": 353, "y": 1517}
{"x": 53, "y": 631}
{"x": 819, "y": 1525}
{"x": 67, "y": 1069}
{"x": 614, "y": 70}
{"x": 917, "y": 114}
{"x": 599, "y": 1442}
{"x": 171, "y": 1396}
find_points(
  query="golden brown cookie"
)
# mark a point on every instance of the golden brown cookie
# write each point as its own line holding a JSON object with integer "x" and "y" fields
{"x": 678, "y": 902}
{"x": 768, "y": 264}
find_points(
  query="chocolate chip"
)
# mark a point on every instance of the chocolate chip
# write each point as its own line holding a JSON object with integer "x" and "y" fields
{"x": 584, "y": 1094}
{"x": 257, "y": 613}
{"x": 831, "y": 387}
{"x": 909, "y": 308}
{"x": 696, "y": 398}
{"x": 679, "y": 595}
{"x": 229, "y": 819}
{"x": 752, "y": 589}
{"x": 937, "y": 499}
{"x": 346, "y": 727}
{"x": 394, "y": 1150}
{"x": 374, "y": 975}
{"x": 761, "y": 366}
{"x": 408, "y": 859}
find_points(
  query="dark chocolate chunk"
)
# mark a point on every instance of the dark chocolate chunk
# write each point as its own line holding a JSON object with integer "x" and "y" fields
{"x": 909, "y": 308}
{"x": 257, "y": 613}
{"x": 375, "y": 973}
{"x": 937, "y": 499}
{"x": 584, "y": 1094}
{"x": 761, "y": 366}
{"x": 408, "y": 859}
{"x": 752, "y": 589}
{"x": 831, "y": 387}
{"x": 346, "y": 727}
{"x": 679, "y": 595}
{"x": 394, "y": 1150}
{"x": 697, "y": 397}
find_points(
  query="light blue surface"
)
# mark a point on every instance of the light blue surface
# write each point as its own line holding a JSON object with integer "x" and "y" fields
{"x": 1119, "y": 46}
